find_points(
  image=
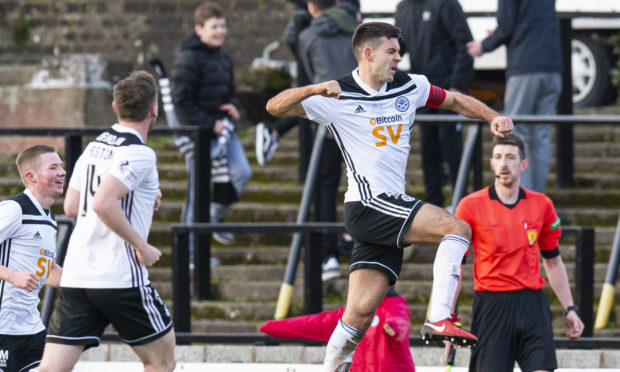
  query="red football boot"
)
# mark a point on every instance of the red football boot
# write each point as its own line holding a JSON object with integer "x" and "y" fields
{"x": 448, "y": 330}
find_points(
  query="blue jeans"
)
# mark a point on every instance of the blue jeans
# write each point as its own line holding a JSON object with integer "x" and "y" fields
{"x": 534, "y": 94}
{"x": 240, "y": 174}
{"x": 239, "y": 168}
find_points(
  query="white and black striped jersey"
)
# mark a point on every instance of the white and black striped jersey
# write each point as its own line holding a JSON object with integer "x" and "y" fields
{"x": 96, "y": 256}
{"x": 372, "y": 129}
{"x": 28, "y": 244}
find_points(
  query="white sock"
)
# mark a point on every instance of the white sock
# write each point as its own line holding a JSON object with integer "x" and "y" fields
{"x": 340, "y": 348}
{"x": 446, "y": 272}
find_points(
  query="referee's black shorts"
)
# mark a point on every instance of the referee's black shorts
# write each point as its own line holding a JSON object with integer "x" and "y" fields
{"x": 138, "y": 315}
{"x": 512, "y": 326}
{"x": 378, "y": 227}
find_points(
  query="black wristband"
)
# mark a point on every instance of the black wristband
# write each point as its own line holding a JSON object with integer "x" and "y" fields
{"x": 571, "y": 308}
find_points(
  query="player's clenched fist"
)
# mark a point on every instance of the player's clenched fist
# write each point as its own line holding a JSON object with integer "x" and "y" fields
{"x": 148, "y": 255}
{"x": 500, "y": 125}
{"x": 329, "y": 89}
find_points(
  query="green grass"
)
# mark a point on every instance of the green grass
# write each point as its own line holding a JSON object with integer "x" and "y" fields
{"x": 158, "y": 142}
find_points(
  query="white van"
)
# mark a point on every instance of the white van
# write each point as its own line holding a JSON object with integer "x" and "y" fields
{"x": 591, "y": 58}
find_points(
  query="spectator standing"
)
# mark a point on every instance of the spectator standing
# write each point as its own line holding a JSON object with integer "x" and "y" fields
{"x": 435, "y": 33}
{"x": 268, "y": 136}
{"x": 326, "y": 53}
{"x": 204, "y": 94}
{"x": 27, "y": 250}
{"x": 529, "y": 29}
{"x": 511, "y": 226}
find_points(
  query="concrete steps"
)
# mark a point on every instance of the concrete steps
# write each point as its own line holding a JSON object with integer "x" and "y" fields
{"x": 247, "y": 282}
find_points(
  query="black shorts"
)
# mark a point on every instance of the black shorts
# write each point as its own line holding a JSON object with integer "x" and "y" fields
{"x": 378, "y": 227}
{"x": 512, "y": 326}
{"x": 19, "y": 353}
{"x": 138, "y": 315}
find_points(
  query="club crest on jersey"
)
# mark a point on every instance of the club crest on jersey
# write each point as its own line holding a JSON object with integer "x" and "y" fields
{"x": 406, "y": 197}
{"x": 531, "y": 236}
{"x": 402, "y": 104}
{"x": 127, "y": 171}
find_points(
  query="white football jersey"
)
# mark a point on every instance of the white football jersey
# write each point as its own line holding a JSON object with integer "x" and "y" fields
{"x": 372, "y": 129}
{"x": 96, "y": 256}
{"x": 27, "y": 244}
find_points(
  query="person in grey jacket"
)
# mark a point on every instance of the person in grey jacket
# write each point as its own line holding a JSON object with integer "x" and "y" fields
{"x": 268, "y": 135}
{"x": 325, "y": 47}
{"x": 435, "y": 33}
{"x": 529, "y": 29}
{"x": 326, "y": 53}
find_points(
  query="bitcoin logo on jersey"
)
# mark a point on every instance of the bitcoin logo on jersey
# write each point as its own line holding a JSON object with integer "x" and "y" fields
{"x": 381, "y": 132}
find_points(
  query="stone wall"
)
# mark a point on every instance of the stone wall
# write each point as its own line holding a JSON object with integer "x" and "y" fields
{"x": 131, "y": 31}
{"x": 60, "y": 58}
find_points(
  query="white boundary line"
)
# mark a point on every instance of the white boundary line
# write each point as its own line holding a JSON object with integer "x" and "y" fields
{"x": 265, "y": 367}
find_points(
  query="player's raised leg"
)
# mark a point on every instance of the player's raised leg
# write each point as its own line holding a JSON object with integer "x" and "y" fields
{"x": 434, "y": 225}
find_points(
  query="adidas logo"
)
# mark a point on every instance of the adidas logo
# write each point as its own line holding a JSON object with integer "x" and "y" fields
{"x": 359, "y": 110}
{"x": 37, "y": 235}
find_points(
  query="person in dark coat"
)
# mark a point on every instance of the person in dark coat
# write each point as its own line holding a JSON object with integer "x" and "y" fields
{"x": 204, "y": 94}
{"x": 435, "y": 33}
{"x": 326, "y": 52}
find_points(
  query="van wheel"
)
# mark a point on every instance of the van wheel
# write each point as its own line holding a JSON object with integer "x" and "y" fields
{"x": 591, "y": 62}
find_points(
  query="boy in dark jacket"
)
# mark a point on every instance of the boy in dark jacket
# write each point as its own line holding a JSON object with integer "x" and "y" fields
{"x": 204, "y": 94}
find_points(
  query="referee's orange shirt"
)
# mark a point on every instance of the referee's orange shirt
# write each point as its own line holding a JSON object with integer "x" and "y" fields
{"x": 507, "y": 239}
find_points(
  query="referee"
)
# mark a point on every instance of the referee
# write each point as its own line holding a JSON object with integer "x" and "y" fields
{"x": 512, "y": 227}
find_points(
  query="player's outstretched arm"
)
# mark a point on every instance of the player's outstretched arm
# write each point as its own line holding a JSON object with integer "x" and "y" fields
{"x": 288, "y": 102}
{"x": 472, "y": 108}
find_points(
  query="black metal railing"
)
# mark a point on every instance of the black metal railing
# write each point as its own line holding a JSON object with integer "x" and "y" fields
{"x": 202, "y": 169}
{"x": 185, "y": 338}
{"x": 73, "y": 146}
{"x": 584, "y": 264}
{"x": 65, "y": 227}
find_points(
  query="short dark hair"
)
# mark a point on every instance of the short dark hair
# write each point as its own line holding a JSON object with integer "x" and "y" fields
{"x": 323, "y": 4}
{"x": 205, "y": 11}
{"x": 28, "y": 159}
{"x": 513, "y": 140}
{"x": 135, "y": 95}
{"x": 370, "y": 32}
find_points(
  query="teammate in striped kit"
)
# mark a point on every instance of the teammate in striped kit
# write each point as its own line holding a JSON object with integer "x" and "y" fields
{"x": 27, "y": 251}
{"x": 371, "y": 113}
{"x": 113, "y": 192}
